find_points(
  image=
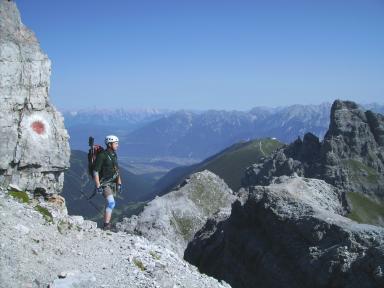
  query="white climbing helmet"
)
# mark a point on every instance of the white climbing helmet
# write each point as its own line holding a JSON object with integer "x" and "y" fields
{"x": 110, "y": 139}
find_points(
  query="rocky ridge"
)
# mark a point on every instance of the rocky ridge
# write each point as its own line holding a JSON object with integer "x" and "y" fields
{"x": 33, "y": 141}
{"x": 290, "y": 234}
{"x": 174, "y": 218}
{"x": 351, "y": 156}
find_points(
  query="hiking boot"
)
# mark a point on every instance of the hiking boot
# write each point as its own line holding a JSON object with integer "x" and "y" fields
{"x": 107, "y": 226}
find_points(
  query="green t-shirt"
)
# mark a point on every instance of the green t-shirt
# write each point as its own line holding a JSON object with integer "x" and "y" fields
{"x": 106, "y": 165}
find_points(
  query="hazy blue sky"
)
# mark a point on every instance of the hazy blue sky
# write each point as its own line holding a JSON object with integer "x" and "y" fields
{"x": 210, "y": 54}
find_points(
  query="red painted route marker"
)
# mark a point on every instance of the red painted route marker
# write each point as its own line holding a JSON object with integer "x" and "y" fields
{"x": 38, "y": 127}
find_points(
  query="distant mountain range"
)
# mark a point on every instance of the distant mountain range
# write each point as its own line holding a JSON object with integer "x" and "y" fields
{"x": 196, "y": 135}
{"x": 117, "y": 116}
{"x": 101, "y": 122}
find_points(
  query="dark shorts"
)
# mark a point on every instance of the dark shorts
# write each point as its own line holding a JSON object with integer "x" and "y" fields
{"x": 109, "y": 190}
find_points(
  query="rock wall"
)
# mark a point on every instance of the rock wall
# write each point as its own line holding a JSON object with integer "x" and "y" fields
{"x": 34, "y": 147}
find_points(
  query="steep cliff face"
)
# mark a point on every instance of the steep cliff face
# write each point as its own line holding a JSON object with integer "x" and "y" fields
{"x": 290, "y": 234}
{"x": 353, "y": 152}
{"x": 34, "y": 145}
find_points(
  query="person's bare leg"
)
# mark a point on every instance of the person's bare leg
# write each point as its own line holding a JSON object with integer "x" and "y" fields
{"x": 108, "y": 210}
{"x": 107, "y": 217}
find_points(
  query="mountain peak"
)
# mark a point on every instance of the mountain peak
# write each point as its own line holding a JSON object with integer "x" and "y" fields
{"x": 11, "y": 26}
{"x": 10, "y": 17}
{"x": 340, "y": 104}
{"x": 350, "y": 122}
{"x": 350, "y": 156}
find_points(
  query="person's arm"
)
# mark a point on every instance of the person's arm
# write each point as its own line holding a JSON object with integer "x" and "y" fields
{"x": 118, "y": 181}
{"x": 97, "y": 169}
{"x": 118, "y": 185}
{"x": 96, "y": 178}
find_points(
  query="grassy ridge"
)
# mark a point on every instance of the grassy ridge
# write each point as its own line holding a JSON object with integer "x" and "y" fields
{"x": 360, "y": 172}
{"x": 229, "y": 164}
{"x": 365, "y": 210}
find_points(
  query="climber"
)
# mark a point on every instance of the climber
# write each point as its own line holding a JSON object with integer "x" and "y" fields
{"x": 107, "y": 177}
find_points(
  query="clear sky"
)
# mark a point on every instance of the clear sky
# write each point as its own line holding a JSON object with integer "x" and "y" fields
{"x": 201, "y": 54}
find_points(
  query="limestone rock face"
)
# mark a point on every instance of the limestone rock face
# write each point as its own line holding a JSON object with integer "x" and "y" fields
{"x": 290, "y": 234}
{"x": 34, "y": 145}
{"x": 173, "y": 219}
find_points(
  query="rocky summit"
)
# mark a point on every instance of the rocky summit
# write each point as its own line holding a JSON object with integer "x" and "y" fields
{"x": 173, "y": 219}
{"x": 290, "y": 233}
{"x": 34, "y": 145}
{"x": 351, "y": 156}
